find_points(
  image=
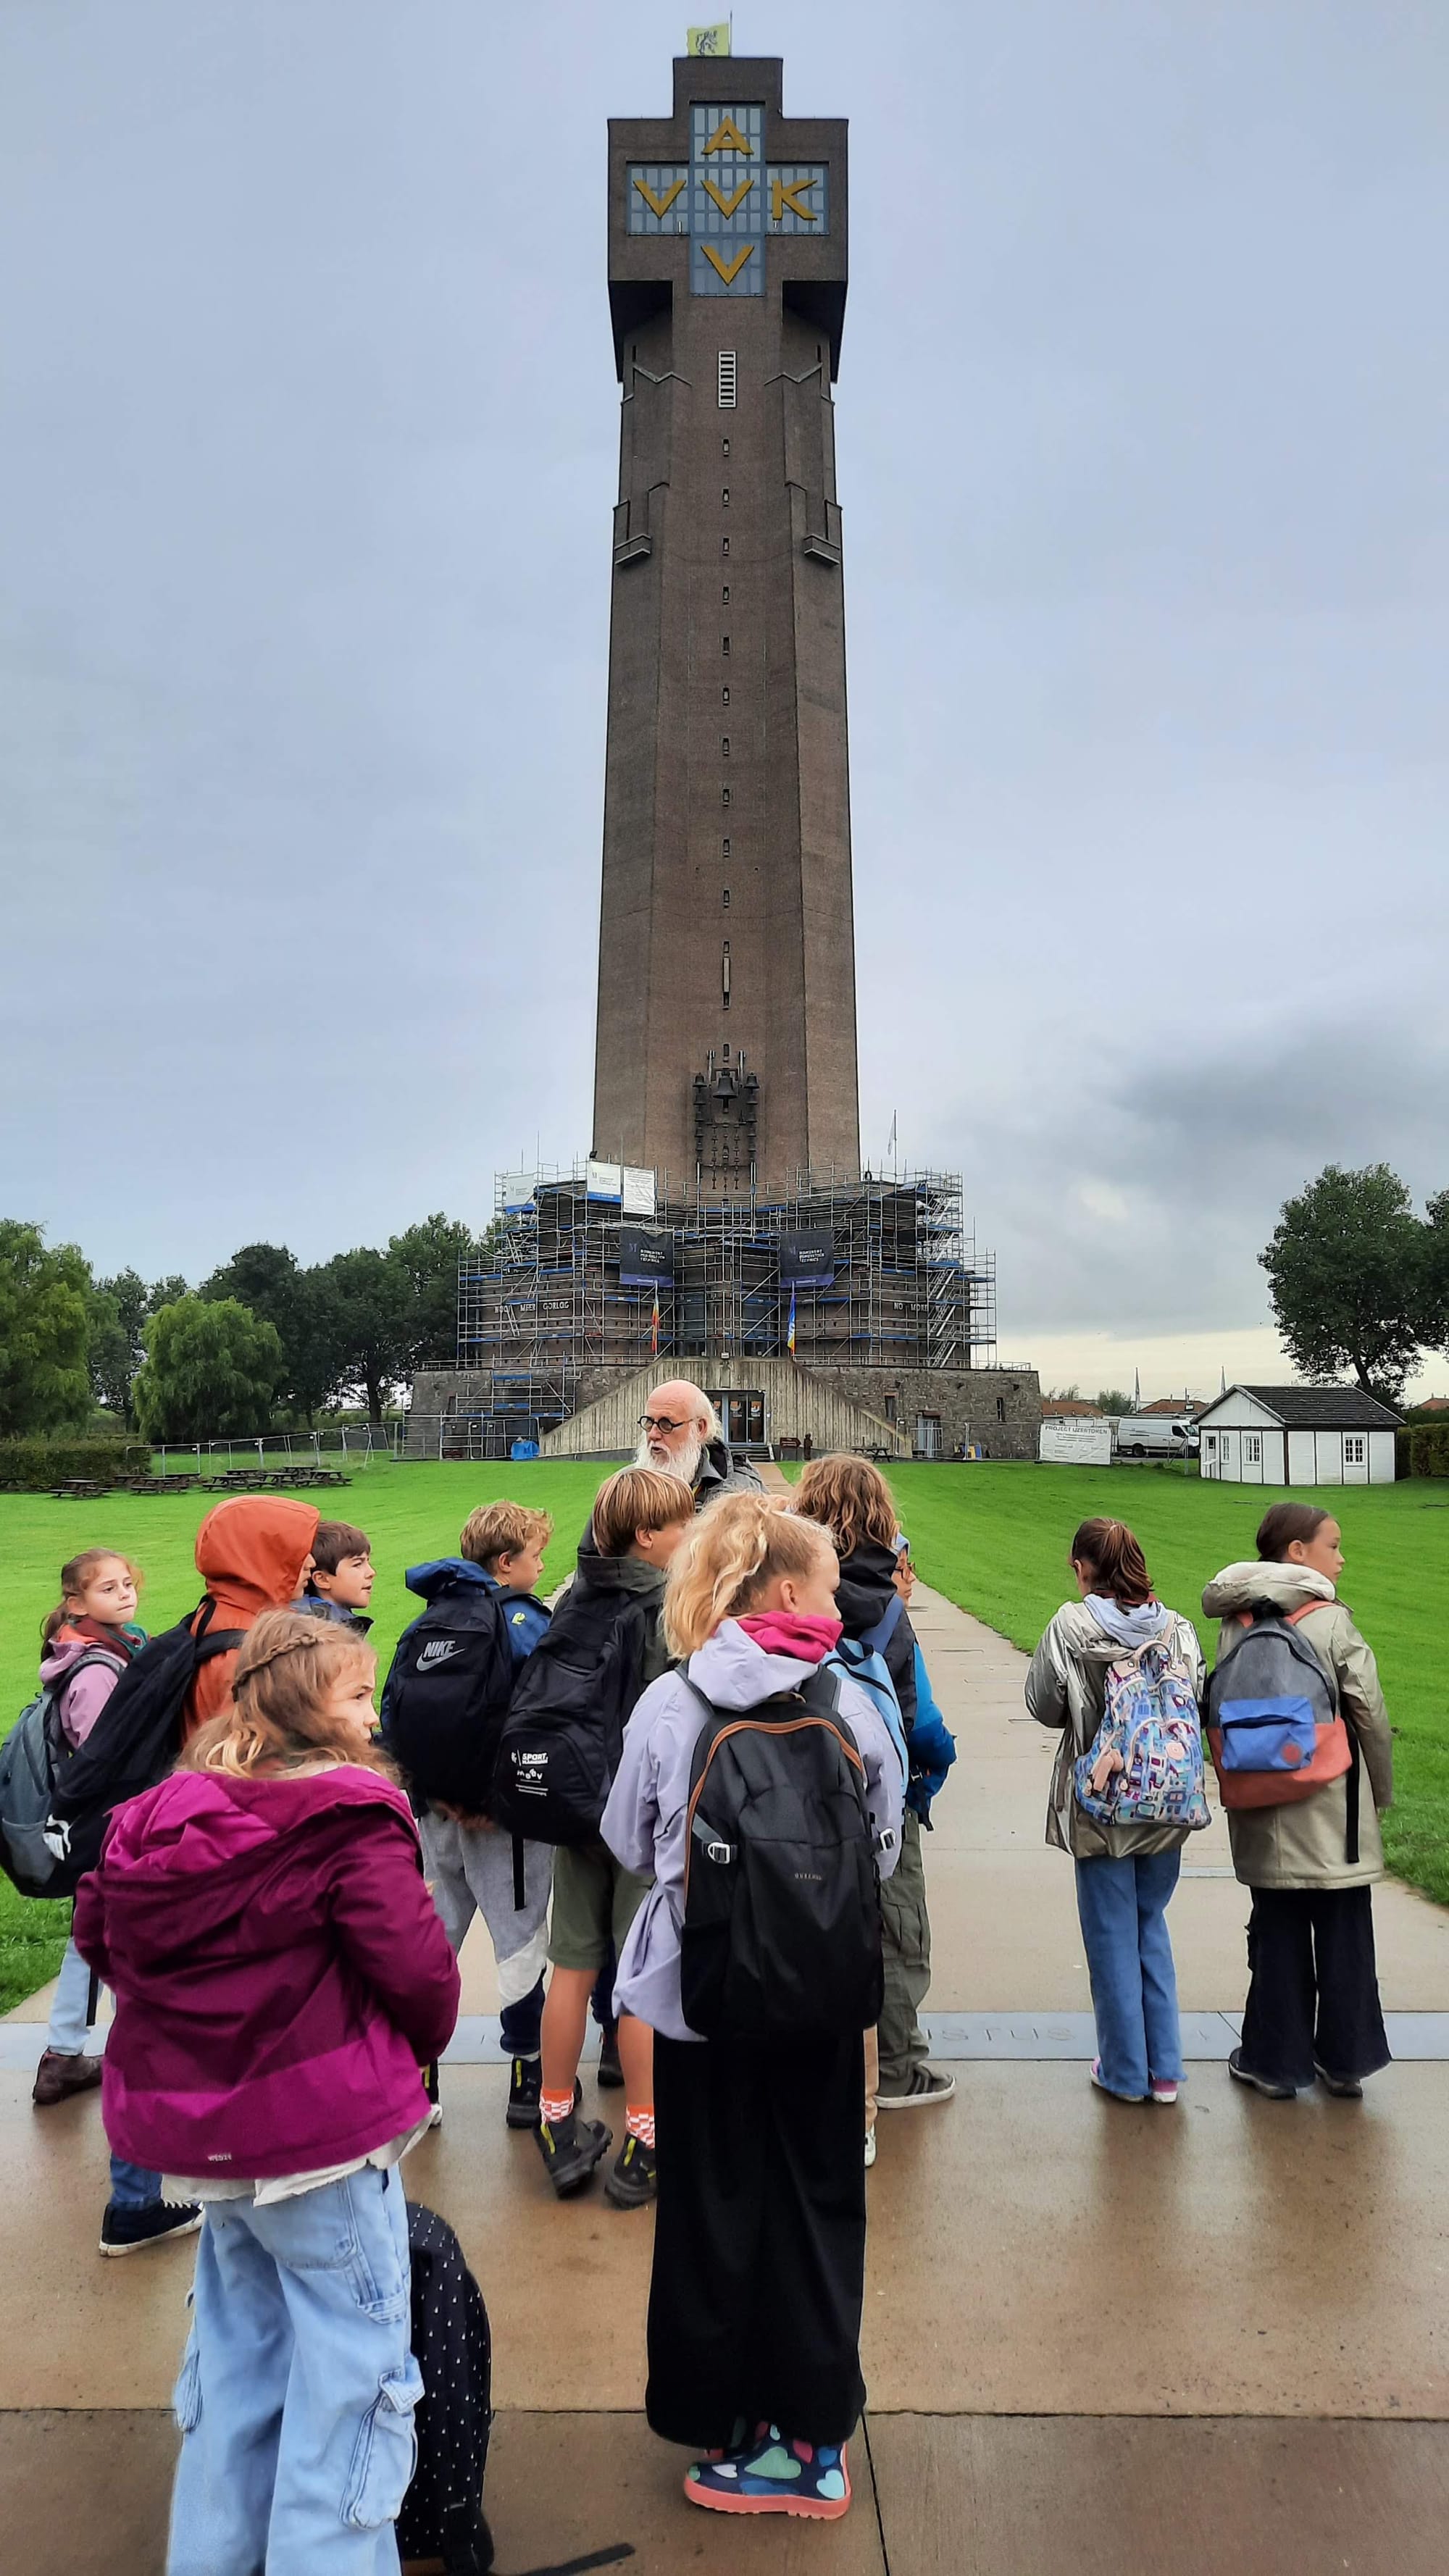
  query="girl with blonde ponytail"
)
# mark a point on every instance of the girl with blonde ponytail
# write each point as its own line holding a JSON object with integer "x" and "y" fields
{"x": 759, "y": 2247}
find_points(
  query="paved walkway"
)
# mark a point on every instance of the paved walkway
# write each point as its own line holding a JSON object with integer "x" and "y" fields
{"x": 1096, "y": 2337}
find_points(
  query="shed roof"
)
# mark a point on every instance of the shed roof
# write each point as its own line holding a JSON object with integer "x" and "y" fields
{"x": 1318, "y": 1408}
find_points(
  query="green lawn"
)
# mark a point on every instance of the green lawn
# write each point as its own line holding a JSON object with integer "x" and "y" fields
{"x": 992, "y": 1537}
{"x": 409, "y": 1512}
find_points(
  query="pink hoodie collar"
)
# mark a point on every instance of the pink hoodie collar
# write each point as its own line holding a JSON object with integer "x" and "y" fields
{"x": 807, "y": 1637}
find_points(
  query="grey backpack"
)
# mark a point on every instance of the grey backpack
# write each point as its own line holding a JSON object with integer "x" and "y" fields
{"x": 31, "y": 1759}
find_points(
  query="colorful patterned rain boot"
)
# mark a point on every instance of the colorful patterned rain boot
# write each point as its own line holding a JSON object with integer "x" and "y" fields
{"x": 772, "y": 2475}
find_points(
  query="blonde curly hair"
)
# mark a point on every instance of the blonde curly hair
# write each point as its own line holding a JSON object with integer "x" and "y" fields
{"x": 734, "y": 1551}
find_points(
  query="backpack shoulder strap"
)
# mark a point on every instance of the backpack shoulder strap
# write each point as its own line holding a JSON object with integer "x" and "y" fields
{"x": 876, "y": 1639}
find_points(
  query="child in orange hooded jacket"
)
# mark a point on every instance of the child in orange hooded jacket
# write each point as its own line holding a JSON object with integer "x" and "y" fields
{"x": 253, "y": 1553}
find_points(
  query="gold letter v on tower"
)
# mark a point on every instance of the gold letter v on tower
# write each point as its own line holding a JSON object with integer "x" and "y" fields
{"x": 729, "y": 269}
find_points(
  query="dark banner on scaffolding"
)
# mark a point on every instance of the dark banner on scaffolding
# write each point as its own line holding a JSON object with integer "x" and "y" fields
{"x": 807, "y": 1260}
{"x": 645, "y": 1260}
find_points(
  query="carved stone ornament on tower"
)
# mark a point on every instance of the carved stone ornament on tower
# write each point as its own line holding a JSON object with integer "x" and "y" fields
{"x": 726, "y": 1046}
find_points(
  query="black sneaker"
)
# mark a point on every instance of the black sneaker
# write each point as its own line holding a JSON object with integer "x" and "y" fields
{"x": 130, "y": 2231}
{"x": 635, "y": 2177}
{"x": 611, "y": 2073}
{"x": 525, "y": 2081}
{"x": 570, "y": 2150}
{"x": 1260, "y": 2083}
{"x": 923, "y": 2086}
{"x": 1347, "y": 2087}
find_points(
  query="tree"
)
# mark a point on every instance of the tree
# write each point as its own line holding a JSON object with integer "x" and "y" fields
{"x": 1112, "y": 1400}
{"x": 265, "y": 1277}
{"x": 210, "y": 1368}
{"x": 369, "y": 1304}
{"x": 1348, "y": 1277}
{"x": 430, "y": 1254}
{"x": 45, "y": 1319}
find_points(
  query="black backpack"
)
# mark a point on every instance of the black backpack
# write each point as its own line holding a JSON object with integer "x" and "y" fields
{"x": 133, "y": 1743}
{"x": 442, "y": 2513}
{"x": 564, "y": 1734}
{"x": 781, "y": 1934}
{"x": 447, "y": 1697}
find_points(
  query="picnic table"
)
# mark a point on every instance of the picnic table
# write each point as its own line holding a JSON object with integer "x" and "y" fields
{"x": 271, "y": 1480}
{"x": 160, "y": 1484}
{"x": 81, "y": 1489}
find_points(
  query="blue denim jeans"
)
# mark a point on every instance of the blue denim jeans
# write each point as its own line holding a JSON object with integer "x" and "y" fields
{"x": 1122, "y": 1907}
{"x": 132, "y": 2186}
{"x": 70, "y": 2025}
{"x": 296, "y": 2395}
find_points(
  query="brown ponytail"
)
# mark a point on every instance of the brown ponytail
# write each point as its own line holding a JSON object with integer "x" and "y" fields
{"x": 1285, "y": 1525}
{"x": 1119, "y": 1568}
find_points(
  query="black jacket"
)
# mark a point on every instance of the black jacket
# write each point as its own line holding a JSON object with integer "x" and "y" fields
{"x": 867, "y": 1589}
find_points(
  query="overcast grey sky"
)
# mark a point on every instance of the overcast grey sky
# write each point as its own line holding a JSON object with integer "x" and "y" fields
{"x": 308, "y": 443}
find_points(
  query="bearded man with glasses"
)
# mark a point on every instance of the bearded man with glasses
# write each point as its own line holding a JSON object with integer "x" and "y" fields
{"x": 682, "y": 1435}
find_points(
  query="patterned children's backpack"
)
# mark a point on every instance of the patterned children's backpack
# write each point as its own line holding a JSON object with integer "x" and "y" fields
{"x": 1151, "y": 1725}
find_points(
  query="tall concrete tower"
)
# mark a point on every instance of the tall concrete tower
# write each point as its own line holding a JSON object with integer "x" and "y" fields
{"x": 726, "y": 1016}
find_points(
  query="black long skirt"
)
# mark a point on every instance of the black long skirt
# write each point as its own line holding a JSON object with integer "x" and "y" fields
{"x": 1313, "y": 1998}
{"x": 759, "y": 2244}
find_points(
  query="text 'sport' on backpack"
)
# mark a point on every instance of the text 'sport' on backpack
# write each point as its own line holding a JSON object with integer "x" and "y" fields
{"x": 32, "y": 1759}
{"x": 781, "y": 1934}
{"x": 447, "y": 1697}
{"x": 564, "y": 1734}
{"x": 134, "y": 1741}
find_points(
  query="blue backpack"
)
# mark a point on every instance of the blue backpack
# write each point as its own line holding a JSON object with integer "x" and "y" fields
{"x": 1151, "y": 1725}
{"x": 862, "y": 1663}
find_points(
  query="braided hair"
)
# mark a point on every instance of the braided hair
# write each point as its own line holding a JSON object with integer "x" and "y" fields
{"x": 279, "y": 1718}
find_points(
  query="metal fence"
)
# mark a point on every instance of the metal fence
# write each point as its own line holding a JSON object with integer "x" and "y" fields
{"x": 350, "y": 1445}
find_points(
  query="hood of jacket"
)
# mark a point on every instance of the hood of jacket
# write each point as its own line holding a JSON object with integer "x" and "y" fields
{"x": 1100, "y": 1631}
{"x": 443, "y": 1574}
{"x": 719, "y": 1471}
{"x": 65, "y": 1651}
{"x": 735, "y": 1672}
{"x": 203, "y": 1842}
{"x": 250, "y": 1552}
{"x": 1289, "y": 1586}
{"x": 867, "y": 1583}
{"x": 630, "y": 1574}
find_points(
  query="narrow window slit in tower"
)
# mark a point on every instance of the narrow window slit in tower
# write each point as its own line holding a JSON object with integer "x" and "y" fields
{"x": 724, "y": 697}
{"x": 724, "y": 745}
{"x": 724, "y": 498}
{"x": 724, "y": 973}
{"x": 726, "y": 445}
{"x": 724, "y": 545}
{"x": 725, "y": 849}
{"x": 726, "y": 897}
{"x": 727, "y": 384}
{"x": 725, "y": 596}
{"x": 724, "y": 643}
{"x": 724, "y": 796}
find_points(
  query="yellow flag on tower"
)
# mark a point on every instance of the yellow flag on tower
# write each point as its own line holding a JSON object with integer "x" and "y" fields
{"x": 710, "y": 40}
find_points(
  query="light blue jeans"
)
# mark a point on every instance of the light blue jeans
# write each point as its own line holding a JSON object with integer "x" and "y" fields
{"x": 1122, "y": 1907}
{"x": 297, "y": 2391}
{"x": 132, "y": 2186}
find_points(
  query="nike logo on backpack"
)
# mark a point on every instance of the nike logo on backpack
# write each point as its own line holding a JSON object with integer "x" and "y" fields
{"x": 438, "y": 1649}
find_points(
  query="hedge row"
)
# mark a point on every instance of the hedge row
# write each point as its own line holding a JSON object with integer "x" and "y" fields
{"x": 1428, "y": 1449}
{"x": 32, "y": 1464}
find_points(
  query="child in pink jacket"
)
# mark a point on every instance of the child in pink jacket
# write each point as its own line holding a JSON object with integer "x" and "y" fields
{"x": 280, "y": 1975}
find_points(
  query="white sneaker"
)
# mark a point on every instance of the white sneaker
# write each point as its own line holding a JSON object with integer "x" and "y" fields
{"x": 435, "y": 2116}
{"x": 1163, "y": 2092}
{"x": 869, "y": 2149}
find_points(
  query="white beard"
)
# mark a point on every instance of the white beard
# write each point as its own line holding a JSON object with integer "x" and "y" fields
{"x": 682, "y": 1462}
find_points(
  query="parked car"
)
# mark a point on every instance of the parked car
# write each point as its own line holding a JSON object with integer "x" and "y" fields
{"x": 1155, "y": 1435}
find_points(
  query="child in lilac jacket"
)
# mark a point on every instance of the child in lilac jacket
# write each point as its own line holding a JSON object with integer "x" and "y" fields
{"x": 280, "y": 1972}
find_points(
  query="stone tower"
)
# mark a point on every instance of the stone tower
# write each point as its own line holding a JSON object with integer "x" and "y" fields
{"x": 726, "y": 1013}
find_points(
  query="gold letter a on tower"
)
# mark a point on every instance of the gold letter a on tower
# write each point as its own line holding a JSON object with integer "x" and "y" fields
{"x": 728, "y": 138}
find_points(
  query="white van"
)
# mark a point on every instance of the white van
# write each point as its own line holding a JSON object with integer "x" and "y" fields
{"x": 1155, "y": 1435}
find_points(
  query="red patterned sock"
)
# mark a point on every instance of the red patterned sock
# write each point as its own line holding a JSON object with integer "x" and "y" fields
{"x": 639, "y": 2123}
{"x": 554, "y": 2108}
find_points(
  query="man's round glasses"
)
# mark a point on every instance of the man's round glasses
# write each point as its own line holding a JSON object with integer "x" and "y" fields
{"x": 658, "y": 1422}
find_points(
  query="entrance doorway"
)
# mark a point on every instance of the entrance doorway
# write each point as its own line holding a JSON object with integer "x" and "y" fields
{"x": 928, "y": 1435}
{"x": 742, "y": 1411}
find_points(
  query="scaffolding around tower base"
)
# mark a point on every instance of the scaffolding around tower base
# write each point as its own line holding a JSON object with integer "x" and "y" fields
{"x": 601, "y": 1270}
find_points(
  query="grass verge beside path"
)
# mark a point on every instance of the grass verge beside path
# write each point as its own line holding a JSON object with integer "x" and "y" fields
{"x": 408, "y": 1511}
{"x": 994, "y": 1539}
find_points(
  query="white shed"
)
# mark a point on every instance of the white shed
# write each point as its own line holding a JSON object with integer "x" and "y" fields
{"x": 1298, "y": 1435}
